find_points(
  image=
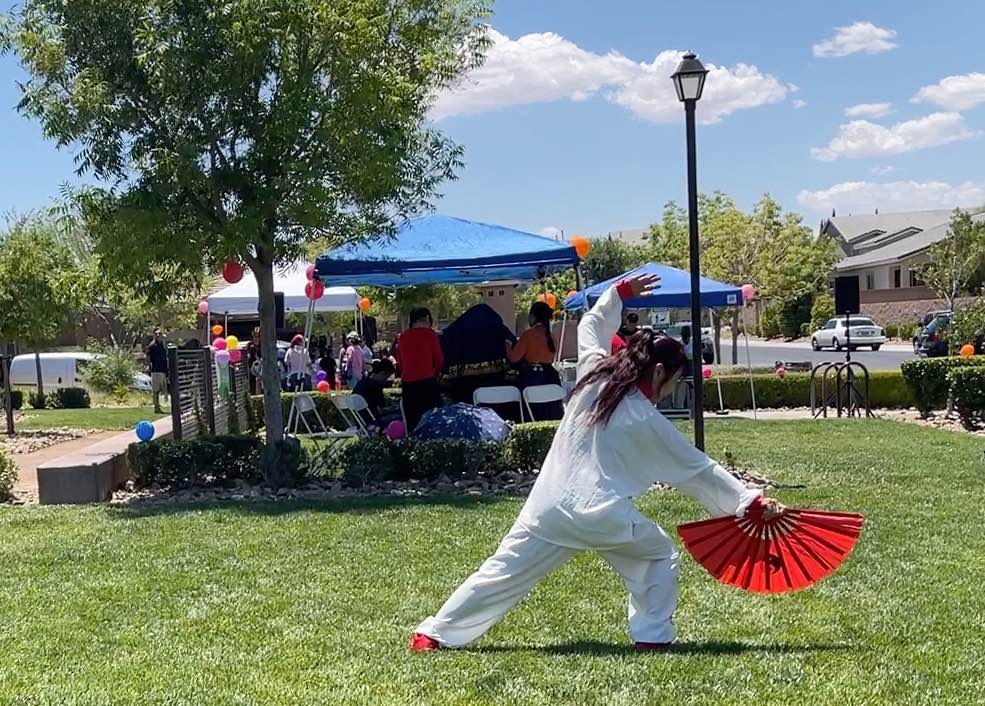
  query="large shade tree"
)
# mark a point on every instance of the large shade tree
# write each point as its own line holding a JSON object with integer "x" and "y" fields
{"x": 246, "y": 129}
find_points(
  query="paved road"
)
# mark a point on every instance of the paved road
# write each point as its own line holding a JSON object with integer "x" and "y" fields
{"x": 767, "y": 353}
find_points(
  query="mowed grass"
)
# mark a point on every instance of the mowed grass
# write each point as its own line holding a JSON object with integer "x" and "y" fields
{"x": 298, "y": 603}
{"x": 98, "y": 418}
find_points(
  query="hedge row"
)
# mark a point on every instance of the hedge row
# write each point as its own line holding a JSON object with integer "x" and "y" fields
{"x": 887, "y": 390}
{"x": 222, "y": 460}
{"x": 967, "y": 385}
{"x": 929, "y": 382}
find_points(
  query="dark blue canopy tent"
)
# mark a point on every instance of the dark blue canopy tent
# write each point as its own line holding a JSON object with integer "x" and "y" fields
{"x": 674, "y": 292}
{"x": 444, "y": 250}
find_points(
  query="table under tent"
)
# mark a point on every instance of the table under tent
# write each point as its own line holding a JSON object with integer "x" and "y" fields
{"x": 439, "y": 249}
{"x": 674, "y": 293}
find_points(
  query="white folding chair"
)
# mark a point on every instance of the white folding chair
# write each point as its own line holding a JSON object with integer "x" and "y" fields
{"x": 352, "y": 407}
{"x": 304, "y": 404}
{"x": 542, "y": 394}
{"x": 487, "y": 396}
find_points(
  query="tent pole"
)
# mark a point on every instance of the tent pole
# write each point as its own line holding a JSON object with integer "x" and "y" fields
{"x": 718, "y": 379}
{"x": 752, "y": 383}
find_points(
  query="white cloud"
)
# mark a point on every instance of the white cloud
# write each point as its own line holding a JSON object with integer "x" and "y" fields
{"x": 798, "y": 104}
{"x": 552, "y": 232}
{"x": 893, "y": 196}
{"x": 545, "y": 67}
{"x": 871, "y": 110}
{"x": 857, "y": 37}
{"x": 861, "y": 138}
{"x": 881, "y": 171}
{"x": 954, "y": 92}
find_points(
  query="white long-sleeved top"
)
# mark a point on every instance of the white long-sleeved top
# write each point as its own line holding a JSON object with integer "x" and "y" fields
{"x": 583, "y": 495}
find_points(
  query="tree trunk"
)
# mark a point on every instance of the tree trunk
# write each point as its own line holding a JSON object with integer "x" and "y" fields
{"x": 37, "y": 367}
{"x": 716, "y": 320}
{"x": 735, "y": 336}
{"x": 273, "y": 414}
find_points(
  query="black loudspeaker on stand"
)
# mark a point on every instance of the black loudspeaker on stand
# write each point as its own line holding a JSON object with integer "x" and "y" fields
{"x": 279, "y": 309}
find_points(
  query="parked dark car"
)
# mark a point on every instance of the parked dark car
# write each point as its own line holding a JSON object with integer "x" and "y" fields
{"x": 932, "y": 340}
{"x": 920, "y": 335}
{"x": 707, "y": 344}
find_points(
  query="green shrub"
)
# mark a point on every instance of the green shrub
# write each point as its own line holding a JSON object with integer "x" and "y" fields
{"x": 37, "y": 401}
{"x": 887, "y": 390}
{"x": 967, "y": 386}
{"x": 769, "y": 321}
{"x": 8, "y": 476}
{"x": 927, "y": 379}
{"x": 368, "y": 460}
{"x": 111, "y": 373}
{"x": 528, "y": 444}
{"x": 284, "y": 463}
{"x": 455, "y": 458}
{"x": 892, "y": 330}
{"x": 208, "y": 461}
{"x": 70, "y": 398}
{"x": 822, "y": 310}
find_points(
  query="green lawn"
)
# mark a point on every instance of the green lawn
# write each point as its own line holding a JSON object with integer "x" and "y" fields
{"x": 314, "y": 603}
{"x": 99, "y": 418}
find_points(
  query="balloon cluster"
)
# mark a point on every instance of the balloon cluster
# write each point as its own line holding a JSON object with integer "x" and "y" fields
{"x": 321, "y": 382}
{"x": 582, "y": 245}
{"x": 227, "y": 350}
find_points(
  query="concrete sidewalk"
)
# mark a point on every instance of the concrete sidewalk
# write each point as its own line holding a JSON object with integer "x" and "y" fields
{"x": 27, "y": 464}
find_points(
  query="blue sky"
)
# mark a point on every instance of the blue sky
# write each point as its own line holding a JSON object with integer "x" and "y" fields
{"x": 572, "y": 123}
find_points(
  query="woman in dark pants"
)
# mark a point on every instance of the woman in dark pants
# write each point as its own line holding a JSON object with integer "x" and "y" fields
{"x": 535, "y": 352}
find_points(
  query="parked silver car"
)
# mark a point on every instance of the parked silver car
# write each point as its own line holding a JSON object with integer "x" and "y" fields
{"x": 834, "y": 334}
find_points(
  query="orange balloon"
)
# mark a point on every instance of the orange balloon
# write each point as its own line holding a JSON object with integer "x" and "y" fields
{"x": 551, "y": 300}
{"x": 967, "y": 351}
{"x": 364, "y": 305}
{"x": 217, "y": 330}
{"x": 582, "y": 245}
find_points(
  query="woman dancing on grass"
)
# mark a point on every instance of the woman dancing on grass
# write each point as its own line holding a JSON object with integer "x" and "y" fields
{"x": 611, "y": 446}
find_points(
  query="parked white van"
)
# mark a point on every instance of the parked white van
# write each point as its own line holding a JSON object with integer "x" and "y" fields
{"x": 59, "y": 370}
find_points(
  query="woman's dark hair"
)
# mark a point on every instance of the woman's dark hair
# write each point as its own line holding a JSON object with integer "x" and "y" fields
{"x": 542, "y": 314}
{"x": 624, "y": 370}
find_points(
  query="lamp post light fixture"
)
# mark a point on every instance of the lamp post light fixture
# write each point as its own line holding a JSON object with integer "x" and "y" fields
{"x": 689, "y": 80}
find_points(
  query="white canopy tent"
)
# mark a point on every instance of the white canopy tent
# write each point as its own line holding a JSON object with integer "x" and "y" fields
{"x": 241, "y": 299}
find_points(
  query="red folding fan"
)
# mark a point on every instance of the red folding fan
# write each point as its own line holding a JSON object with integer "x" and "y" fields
{"x": 786, "y": 553}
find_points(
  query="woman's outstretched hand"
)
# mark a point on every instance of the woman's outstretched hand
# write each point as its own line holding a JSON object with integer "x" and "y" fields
{"x": 642, "y": 285}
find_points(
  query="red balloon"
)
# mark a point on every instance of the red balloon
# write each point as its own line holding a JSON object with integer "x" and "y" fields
{"x": 323, "y": 387}
{"x": 707, "y": 372}
{"x": 314, "y": 290}
{"x": 781, "y": 372}
{"x": 232, "y": 272}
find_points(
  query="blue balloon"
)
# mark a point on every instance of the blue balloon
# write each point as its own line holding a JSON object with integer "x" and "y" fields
{"x": 145, "y": 431}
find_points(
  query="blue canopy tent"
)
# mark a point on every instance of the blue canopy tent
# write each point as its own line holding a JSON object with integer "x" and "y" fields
{"x": 674, "y": 292}
{"x": 444, "y": 250}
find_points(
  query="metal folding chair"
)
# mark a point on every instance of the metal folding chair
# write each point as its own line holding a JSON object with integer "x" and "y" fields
{"x": 489, "y": 396}
{"x": 352, "y": 407}
{"x": 541, "y": 394}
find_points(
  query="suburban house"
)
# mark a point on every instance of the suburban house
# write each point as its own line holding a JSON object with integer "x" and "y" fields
{"x": 885, "y": 251}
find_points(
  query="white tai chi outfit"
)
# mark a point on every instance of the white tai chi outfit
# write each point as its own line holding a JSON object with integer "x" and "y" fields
{"x": 583, "y": 500}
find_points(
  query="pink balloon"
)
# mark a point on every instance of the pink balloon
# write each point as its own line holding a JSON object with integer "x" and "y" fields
{"x": 314, "y": 290}
{"x": 781, "y": 372}
{"x": 748, "y": 293}
{"x": 323, "y": 387}
{"x": 396, "y": 430}
{"x": 203, "y": 307}
{"x": 309, "y": 272}
{"x": 707, "y": 372}
{"x": 235, "y": 355}
{"x": 219, "y": 344}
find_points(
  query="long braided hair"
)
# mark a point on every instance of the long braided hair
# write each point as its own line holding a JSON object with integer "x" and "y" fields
{"x": 625, "y": 370}
{"x": 542, "y": 314}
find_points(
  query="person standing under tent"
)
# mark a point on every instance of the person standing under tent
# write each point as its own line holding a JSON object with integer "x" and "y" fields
{"x": 535, "y": 352}
{"x": 421, "y": 360}
{"x": 610, "y": 448}
{"x": 627, "y": 330}
{"x": 327, "y": 365}
{"x": 157, "y": 364}
{"x": 353, "y": 362}
{"x": 367, "y": 355}
{"x": 298, "y": 366}
{"x": 687, "y": 341}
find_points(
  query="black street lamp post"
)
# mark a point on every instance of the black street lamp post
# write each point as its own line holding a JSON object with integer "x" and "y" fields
{"x": 689, "y": 80}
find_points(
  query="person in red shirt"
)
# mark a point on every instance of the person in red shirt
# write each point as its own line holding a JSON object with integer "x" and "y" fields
{"x": 629, "y": 328}
{"x": 421, "y": 360}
